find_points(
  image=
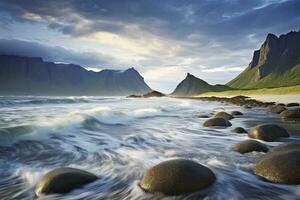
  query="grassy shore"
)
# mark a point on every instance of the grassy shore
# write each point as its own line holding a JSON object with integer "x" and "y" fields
{"x": 292, "y": 90}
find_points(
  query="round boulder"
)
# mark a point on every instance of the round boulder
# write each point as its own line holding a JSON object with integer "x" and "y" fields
{"x": 292, "y": 104}
{"x": 277, "y": 109}
{"x": 290, "y": 114}
{"x": 239, "y": 130}
{"x": 268, "y": 132}
{"x": 286, "y": 147}
{"x": 236, "y": 113}
{"x": 175, "y": 177}
{"x": 249, "y": 146}
{"x": 224, "y": 115}
{"x": 63, "y": 180}
{"x": 217, "y": 121}
{"x": 282, "y": 167}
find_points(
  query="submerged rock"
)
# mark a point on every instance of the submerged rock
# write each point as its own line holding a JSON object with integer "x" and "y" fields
{"x": 268, "y": 132}
{"x": 280, "y": 167}
{"x": 277, "y": 109}
{"x": 175, "y": 177}
{"x": 290, "y": 114}
{"x": 217, "y": 121}
{"x": 236, "y": 113}
{"x": 292, "y": 104}
{"x": 249, "y": 146}
{"x": 63, "y": 180}
{"x": 224, "y": 115}
{"x": 239, "y": 130}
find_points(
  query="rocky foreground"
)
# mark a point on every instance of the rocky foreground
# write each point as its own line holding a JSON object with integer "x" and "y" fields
{"x": 280, "y": 164}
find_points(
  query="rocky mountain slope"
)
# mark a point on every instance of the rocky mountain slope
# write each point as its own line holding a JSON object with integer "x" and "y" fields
{"x": 32, "y": 76}
{"x": 275, "y": 64}
{"x": 192, "y": 85}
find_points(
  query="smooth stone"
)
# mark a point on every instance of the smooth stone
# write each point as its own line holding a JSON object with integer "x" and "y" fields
{"x": 268, "y": 132}
{"x": 63, "y": 180}
{"x": 286, "y": 147}
{"x": 217, "y": 121}
{"x": 224, "y": 115}
{"x": 277, "y": 109}
{"x": 290, "y": 114}
{"x": 281, "y": 167}
{"x": 175, "y": 177}
{"x": 292, "y": 104}
{"x": 239, "y": 130}
{"x": 249, "y": 146}
{"x": 236, "y": 113}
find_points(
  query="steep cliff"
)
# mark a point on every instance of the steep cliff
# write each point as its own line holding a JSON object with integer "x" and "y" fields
{"x": 275, "y": 64}
{"x": 32, "y": 76}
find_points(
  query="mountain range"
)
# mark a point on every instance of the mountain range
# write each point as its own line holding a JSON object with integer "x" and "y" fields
{"x": 21, "y": 75}
{"x": 275, "y": 64}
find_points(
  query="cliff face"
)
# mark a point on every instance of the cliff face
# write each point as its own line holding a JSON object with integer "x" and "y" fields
{"x": 32, "y": 76}
{"x": 192, "y": 85}
{"x": 274, "y": 64}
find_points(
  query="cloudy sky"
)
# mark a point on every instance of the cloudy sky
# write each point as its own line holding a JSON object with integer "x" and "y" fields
{"x": 162, "y": 39}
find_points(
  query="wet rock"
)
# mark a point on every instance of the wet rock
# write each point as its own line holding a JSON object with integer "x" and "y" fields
{"x": 224, "y": 115}
{"x": 286, "y": 147}
{"x": 239, "y": 130}
{"x": 175, "y": 177}
{"x": 292, "y": 104}
{"x": 268, "y": 132}
{"x": 249, "y": 146}
{"x": 217, "y": 121}
{"x": 63, "y": 180}
{"x": 236, "y": 113}
{"x": 281, "y": 167}
{"x": 290, "y": 114}
{"x": 277, "y": 109}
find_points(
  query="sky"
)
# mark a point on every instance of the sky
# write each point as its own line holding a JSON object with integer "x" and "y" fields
{"x": 162, "y": 39}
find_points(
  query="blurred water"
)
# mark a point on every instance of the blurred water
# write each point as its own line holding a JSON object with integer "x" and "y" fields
{"x": 118, "y": 139}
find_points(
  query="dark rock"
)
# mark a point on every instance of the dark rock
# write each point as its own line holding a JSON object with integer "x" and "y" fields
{"x": 286, "y": 147}
{"x": 277, "y": 109}
{"x": 236, "y": 113}
{"x": 281, "y": 167}
{"x": 224, "y": 115}
{"x": 217, "y": 121}
{"x": 268, "y": 132}
{"x": 63, "y": 180}
{"x": 292, "y": 104}
{"x": 239, "y": 130}
{"x": 154, "y": 94}
{"x": 204, "y": 116}
{"x": 175, "y": 177}
{"x": 290, "y": 114}
{"x": 249, "y": 146}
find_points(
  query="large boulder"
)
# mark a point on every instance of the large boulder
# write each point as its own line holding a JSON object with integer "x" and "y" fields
{"x": 236, "y": 113}
{"x": 239, "y": 130}
{"x": 280, "y": 167}
{"x": 268, "y": 132}
{"x": 175, "y": 177}
{"x": 217, "y": 121}
{"x": 286, "y": 147}
{"x": 277, "y": 109}
{"x": 249, "y": 146}
{"x": 290, "y": 114}
{"x": 224, "y": 115}
{"x": 63, "y": 180}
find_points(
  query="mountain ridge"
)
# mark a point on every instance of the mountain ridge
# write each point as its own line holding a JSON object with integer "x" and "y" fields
{"x": 20, "y": 75}
{"x": 192, "y": 85}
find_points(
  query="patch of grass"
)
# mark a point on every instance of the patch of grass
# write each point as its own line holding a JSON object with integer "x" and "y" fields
{"x": 264, "y": 91}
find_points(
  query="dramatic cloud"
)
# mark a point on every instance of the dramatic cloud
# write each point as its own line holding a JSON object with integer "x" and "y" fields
{"x": 212, "y": 39}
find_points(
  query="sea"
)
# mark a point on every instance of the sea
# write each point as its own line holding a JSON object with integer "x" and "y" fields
{"x": 119, "y": 138}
